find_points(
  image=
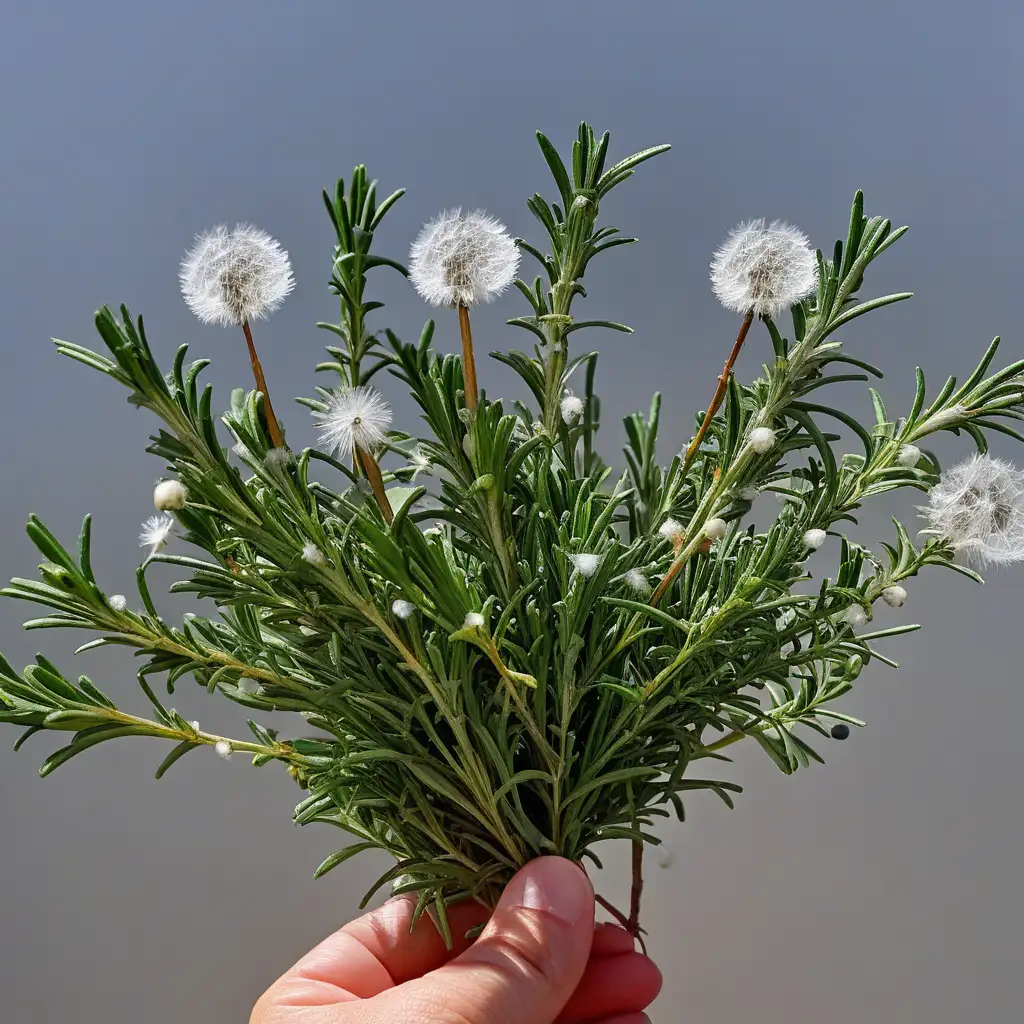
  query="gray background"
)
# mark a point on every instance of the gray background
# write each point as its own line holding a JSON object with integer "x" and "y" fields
{"x": 882, "y": 886}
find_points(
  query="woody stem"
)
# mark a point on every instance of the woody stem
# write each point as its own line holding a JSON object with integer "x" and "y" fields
{"x": 468, "y": 361}
{"x": 376, "y": 481}
{"x": 261, "y": 384}
{"x": 719, "y": 396}
{"x": 637, "y": 888}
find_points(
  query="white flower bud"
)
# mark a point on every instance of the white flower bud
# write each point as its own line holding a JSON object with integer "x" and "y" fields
{"x": 402, "y": 609}
{"x": 312, "y": 554}
{"x": 909, "y": 456}
{"x": 855, "y": 616}
{"x": 814, "y": 539}
{"x": 572, "y": 408}
{"x": 474, "y": 620}
{"x": 762, "y": 440}
{"x": 585, "y": 564}
{"x": 894, "y": 596}
{"x": 715, "y": 529}
{"x": 118, "y": 602}
{"x": 637, "y": 581}
{"x": 169, "y": 494}
{"x": 223, "y": 748}
{"x": 671, "y": 529}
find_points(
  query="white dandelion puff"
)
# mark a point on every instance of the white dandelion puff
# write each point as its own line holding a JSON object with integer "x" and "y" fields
{"x": 855, "y": 616}
{"x": 169, "y": 494}
{"x": 118, "y": 602}
{"x": 224, "y": 749}
{"x": 715, "y": 529}
{"x": 232, "y": 277}
{"x": 473, "y": 620}
{"x": 156, "y": 531}
{"x": 762, "y": 440}
{"x": 402, "y": 609}
{"x": 813, "y": 539}
{"x": 895, "y": 596}
{"x": 571, "y": 408}
{"x": 312, "y": 554}
{"x": 909, "y": 456}
{"x": 354, "y": 418}
{"x": 978, "y": 508}
{"x": 671, "y": 529}
{"x": 764, "y": 267}
{"x": 637, "y": 582}
{"x": 420, "y": 462}
{"x": 462, "y": 259}
{"x": 585, "y": 564}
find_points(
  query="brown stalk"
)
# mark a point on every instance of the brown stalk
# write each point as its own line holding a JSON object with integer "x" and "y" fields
{"x": 376, "y": 481}
{"x": 261, "y": 384}
{"x": 468, "y": 361}
{"x": 637, "y": 889}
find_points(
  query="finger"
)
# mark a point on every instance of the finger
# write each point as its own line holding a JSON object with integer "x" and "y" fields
{"x": 613, "y": 985}
{"x": 372, "y": 954}
{"x": 610, "y": 940}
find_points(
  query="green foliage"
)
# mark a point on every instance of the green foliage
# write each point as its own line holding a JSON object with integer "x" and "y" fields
{"x": 576, "y": 711}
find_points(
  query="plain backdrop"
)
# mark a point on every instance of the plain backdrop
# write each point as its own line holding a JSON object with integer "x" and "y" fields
{"x": 884, "y": 885}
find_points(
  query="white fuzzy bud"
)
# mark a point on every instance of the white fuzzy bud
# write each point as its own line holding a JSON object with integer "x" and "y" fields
{"x": 246, "y": 685}
{"x": 223, "y": 748}
{"x": 637, "y": 582}
{"x": 762, "y": 440}
{"x": 312, "y": 554}
{"x": 118, "y": 602}
{"x": 278, "y": 458}
{"x": 169, "y": 494}
{"x": 855, "y": 616}
{"x": 764, "y": 267}
{"x": 813, "y": 539}
{"x": 354, "y": 418}
{"x": 585, "y": 564}
{"x": 671, "y": 529}
{"x": 909, "y": 456}
{"x": 571, "y": 408}
{"x": 894, "y": 596}
{"x": 715, "y": 529}
{"x": 402, "y": 609}
{"x": 473, "y": 620}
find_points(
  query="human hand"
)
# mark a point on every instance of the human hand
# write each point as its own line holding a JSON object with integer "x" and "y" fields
{"x": 539, "y": 960}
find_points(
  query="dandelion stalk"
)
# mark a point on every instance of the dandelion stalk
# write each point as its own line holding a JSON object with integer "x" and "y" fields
{"x": 376, "y": 481}
{"x": 261, "y": 385}
{"x": 468, "y": 360}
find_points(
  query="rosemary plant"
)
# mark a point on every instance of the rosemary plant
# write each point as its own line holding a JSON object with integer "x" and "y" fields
{"x": 535, "y": 653}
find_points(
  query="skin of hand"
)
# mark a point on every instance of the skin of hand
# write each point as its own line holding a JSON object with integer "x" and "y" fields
{"x": 539, "y": 960}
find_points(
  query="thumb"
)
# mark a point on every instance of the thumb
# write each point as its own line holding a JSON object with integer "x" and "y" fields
{"x": 526, "y": 963}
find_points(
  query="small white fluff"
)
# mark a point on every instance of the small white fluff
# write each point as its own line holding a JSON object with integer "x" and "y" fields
{"x": 750, "y": 494}
{"x": 433, "y": 531}
{"x": 312, "y": 554}
{"x": 894, "y": 596}
{"x": 572, "y": 409}
{"x": 715, "y": 529}
{"x": 671, "y": 529}
{"x": 814, "y": 539}
{"x": 637, "y": 582}
{"x": 195, "y": 725}
{"x": 354, "y": 418}
{"x": 585, "y": 564}
{"x": 764, "y": 267}
{"x": 169, "y": 494}
{"x": 118, "y": 602}
{"x": 762, "y": 440}
{"x": 462, "y": 259}
{"x": 403, "y": 609}
{"x": 156, "y": 531}
{"x": 473, "y": 620}
{"x": 420, "y": 462}
{"x": 223, "y": 748}
{"x": 231, "y": 277}
{"x": 978, "y": 507}
{"x": 855, "y": 616}
{"x": 278, "y": 458}
{"x": 909, "y": 456}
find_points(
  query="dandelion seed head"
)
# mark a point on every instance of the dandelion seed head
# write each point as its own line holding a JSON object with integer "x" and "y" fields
{"x": 118, "y": 602}
{"x": 223, "y": 748}
{"x": 671, "y": 529}
{"x": 312, "y": 554}
{"x": 813, "y": 539}
{"x": 978, "y": 507}
{"x": 402, "y": 609}
{"x": 473, "y": 620}
{"x": 462, "y": 259}
{"x": 571, "y": 408}
{"x": 231, "y": 277}
{"x": 764, "y": 267}
{"x": 354, "y": 418}
{"x": 895, "y": 596}
{"x": 909, "y": 456}
{"x": 585, "y": 564}
{"x": 715, "y": 529}
{"x": 156, "y": 531}
{"x": 762, "y": 440}
{"x": 637, "y": 582}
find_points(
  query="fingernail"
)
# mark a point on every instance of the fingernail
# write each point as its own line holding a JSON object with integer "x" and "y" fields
{"x": 554, "y": 885}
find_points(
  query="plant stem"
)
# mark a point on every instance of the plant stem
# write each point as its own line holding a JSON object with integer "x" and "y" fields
{"x": 719, "y": 395}
{"x": 637, "y": 889}
{"x": 468, "y": 360}
{"x": 376, "y": 481}
{"x": 261, "y": 383}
